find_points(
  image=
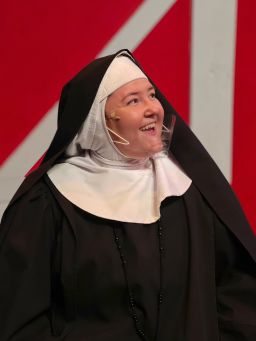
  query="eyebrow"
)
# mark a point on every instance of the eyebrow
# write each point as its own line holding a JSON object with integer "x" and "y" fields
{"x": 151, "y": 87}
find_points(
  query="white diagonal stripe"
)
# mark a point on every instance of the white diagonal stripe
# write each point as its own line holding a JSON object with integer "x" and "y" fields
{"x": 212, "y": 77}
{"x": 13, "y": 171}
{"x": 32, "y": 148}
{"x": 130, "y": 35}
{"x": 138, "y": 26}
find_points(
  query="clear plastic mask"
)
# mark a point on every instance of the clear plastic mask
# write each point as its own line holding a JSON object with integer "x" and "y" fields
{"x": 167, "y": 133}
{"x": 166, "y": 137}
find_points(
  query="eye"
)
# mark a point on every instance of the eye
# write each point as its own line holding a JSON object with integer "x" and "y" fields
{"x": 152, "y": 95}
{"x": 133, "y": 101}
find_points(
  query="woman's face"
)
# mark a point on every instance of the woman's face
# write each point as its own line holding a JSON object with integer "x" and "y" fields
{"x": 133, "y": 112}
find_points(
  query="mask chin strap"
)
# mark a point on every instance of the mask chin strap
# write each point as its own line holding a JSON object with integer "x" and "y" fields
{"x": 122, "y": 141}
{"x": 167, "y": 134}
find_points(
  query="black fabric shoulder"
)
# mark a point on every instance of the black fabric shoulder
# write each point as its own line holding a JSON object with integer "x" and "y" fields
{"x": 38, "y": 199}
{"x": 235, "y": 286}
{"x": 230, "y": 252}
{"x": 238, "y": 230}
{"x": 28, "y": 241}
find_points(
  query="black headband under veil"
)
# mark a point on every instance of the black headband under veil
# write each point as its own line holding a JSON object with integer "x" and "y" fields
{"x": 75, "y": 103}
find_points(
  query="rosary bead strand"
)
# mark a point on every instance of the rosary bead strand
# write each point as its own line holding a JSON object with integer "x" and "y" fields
{"x": 132, "y": 302}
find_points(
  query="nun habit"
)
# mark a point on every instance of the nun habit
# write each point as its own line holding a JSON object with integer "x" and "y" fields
{"x": 68, "y": 273}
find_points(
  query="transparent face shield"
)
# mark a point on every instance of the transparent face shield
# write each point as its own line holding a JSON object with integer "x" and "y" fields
{"x": 167, "y": 133}
{"x": 121, "y": 143}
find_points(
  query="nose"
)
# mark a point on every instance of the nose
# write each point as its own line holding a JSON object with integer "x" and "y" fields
{"x": 152, "y": 108}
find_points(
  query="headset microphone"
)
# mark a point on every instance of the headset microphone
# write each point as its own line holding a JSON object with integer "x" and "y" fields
{"x": 113, "y": 116}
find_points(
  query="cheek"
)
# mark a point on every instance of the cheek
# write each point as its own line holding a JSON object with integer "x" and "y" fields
{"x": 161, "y": 112}
{"x": 129, "y": 123}
{"x": 161, "y": 116}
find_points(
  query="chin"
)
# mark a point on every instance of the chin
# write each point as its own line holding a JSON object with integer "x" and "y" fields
{"x": 157, "y": 148}
{"x": 145, "y": 152}
{"x": 151, "y": 152}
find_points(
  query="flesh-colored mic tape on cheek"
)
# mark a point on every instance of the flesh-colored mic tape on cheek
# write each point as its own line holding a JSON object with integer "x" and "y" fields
{"x": 113, "y": 116}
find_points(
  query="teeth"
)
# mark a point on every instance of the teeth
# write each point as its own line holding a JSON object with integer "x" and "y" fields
{"x": 147, "y": 127}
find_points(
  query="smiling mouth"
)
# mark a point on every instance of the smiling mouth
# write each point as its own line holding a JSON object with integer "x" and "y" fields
{"x": 149, "y": 127}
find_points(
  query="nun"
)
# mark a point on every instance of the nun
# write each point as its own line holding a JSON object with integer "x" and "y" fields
{"x": 127, "y": 230}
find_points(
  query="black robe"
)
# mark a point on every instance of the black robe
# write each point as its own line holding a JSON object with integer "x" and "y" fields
{"x": 62, "y": 277}
{"x": 62, "y": 274}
